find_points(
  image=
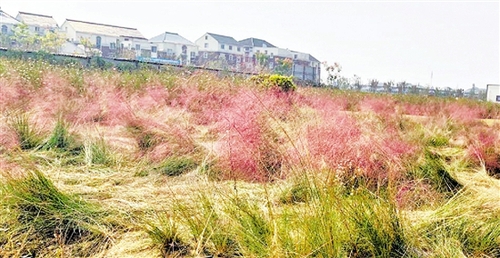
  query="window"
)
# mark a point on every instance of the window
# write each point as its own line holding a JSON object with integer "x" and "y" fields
{"x": 295, "y": 56}
{"x": 193, "y": 54}
{"x": 206, "y": 45}
{"x": 126, "y": 39}
{"x": 170, "y": 51}
{"x": 206, "y": 37}
{"x": 112, "y": 45}
{"x": 264, "y": 45}
{"x": 272, "y": 54}
{"x": 238, "y": 59}
{"x": 265, "y": 52}
{"x": 137, "y": 46}
{"x": 238, "y": 49}
{"x": 98, "y": 42}
{"x": 121, "y": 46}
{"x": 230, "y": 47}
{"x": 184, "y": 50}
{"x": 222, "y": 46}
{"x": 154, "y": 49}
{"x": 37, "y": 29}
{"x": 205, "y": 55}
{"x": 271, "y": 65}
{"x": 4, "y": 29}
{"x": 231, "y": 57}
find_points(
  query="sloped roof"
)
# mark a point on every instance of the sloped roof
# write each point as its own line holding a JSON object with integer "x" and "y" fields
{"x": 5, "y": 18}
{"x": 37, "y": 19}
{"x": 254, "y": 42}
{"x": 313, "y": 59}
{"x": 105, "y": 29}
{"x": 170, "y": 37}
{"x": 224, "y": 39}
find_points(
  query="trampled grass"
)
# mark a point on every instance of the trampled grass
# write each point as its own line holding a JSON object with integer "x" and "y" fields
{"x": 145, "y": 163}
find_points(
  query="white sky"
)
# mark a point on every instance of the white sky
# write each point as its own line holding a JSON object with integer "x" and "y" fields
{"x": 457, "y": 41}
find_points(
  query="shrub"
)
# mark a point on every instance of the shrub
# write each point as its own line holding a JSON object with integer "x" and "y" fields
{"x": 267, "y": 81}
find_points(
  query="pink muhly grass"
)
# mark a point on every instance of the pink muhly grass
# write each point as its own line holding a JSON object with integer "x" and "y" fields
{"x": 247, "y": 147}
{"x": 485, "y": 149}
{"x": 340, "y": 144}
{"x": 463, "y": 113}
{"x": 8, "y": 138}
{"x": 378, "y": 104}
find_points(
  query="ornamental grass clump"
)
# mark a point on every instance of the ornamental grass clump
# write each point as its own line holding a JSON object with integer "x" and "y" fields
{"x": 37, "y": 215}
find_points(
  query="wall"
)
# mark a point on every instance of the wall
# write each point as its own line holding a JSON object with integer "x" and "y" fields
{"x": 493, "y": 93}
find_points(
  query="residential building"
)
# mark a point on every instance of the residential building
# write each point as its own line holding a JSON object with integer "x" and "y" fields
{"x": 219, "y": 51}
{"x": 108, "y": 40}
{"x": 306, "y": 67}
{"x": 302, "y": 66}
{"x": 173, "y": 48}
{"x": 7, "y": 24}
{"x": 38, "y": 23}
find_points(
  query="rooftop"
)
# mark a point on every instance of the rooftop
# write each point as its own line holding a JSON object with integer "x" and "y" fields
{"x": 224, "y": 39}
{"x": 171, "y": 37}
{"x": 105, "y": 29}
{"x": 37, "y": 19}
{"x": 255, "y": 42}
{"x": 5, "y": 18}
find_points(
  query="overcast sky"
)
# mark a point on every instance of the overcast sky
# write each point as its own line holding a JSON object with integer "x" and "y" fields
{"x": 457, "y": 42}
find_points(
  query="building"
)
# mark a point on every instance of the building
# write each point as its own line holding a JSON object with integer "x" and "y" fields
{"x": 219, "y": 51}
{"x": 38, "y": 23}
{"x": 306, "y": 67}
{"x": 173, "y": 48}
{"x": 302, "y": 66}
{"x": 107, "y": 40}
{"x": 493, "y": 93}
{"x": 7, "y": 24}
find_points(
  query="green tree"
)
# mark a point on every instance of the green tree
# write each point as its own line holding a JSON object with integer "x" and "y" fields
{"x": 24, "y": 40}
{"x": 262, "y": 61}
{"x": 52, "y": 42}
{"x": 283, "y": 66}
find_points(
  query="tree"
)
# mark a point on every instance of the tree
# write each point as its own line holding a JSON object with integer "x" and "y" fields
{"x": 23, "y": 39}
{"x": 262, "y": 61}
{"x": 373, "y": 85}
{"x": 51, "y": 42}
{"x": 357, "y": 82}
{"x": 388, "y": 86}
{"x": 333, "y": 73}
{"x": 283, "y": 66}
{"x": 401, "y": 87}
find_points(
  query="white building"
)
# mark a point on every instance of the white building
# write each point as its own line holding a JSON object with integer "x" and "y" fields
{"x": 38, "y": 23}
{"x": 7, "y": 23}
{"x": 109, "y": 40}
{"x": 172, "y": 46}
{"x": 220, "y": 49}
{"x": 493, "y": 93}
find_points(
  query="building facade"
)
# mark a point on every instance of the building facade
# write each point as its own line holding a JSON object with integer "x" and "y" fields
{"x": 173, "y": 48}
{"x": 38, "y": 23}
{"x": 107, "y": 40}
{"x": 219, "y": 51}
